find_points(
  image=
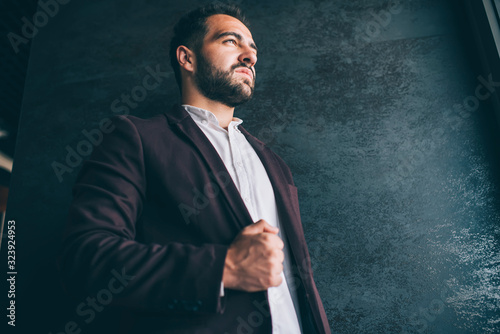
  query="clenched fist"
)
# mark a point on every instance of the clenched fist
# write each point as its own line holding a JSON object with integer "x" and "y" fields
{"x": 254, "y": 260}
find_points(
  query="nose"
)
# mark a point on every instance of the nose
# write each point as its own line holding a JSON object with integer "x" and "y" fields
{"x": 248, "y": 56}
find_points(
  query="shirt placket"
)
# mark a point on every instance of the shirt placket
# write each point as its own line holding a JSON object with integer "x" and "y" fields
{"x": 239, "y": 166}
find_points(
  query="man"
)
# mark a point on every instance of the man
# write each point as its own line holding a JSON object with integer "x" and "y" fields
{"x": 185, "y": 222}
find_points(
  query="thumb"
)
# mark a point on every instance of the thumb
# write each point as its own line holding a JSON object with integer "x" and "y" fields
{"x": 260, "y": 227}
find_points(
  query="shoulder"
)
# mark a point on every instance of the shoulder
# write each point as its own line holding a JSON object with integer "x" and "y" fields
{"x": 121, "y": 133}
{"x": 128, "y": 127}
{"x": 152, "y": 123}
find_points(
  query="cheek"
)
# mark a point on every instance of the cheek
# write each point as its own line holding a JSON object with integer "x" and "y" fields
{"x": 226, "y": 64}
{"x": 225, "y": 60}
{"x": 222, "y": 60}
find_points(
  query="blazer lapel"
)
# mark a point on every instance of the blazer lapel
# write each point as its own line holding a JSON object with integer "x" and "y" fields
{"x": 186, "y": 125}
{"x": 283, "y": 192}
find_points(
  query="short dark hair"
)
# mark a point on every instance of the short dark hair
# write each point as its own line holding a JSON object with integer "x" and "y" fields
{"x": 191, "y": 29}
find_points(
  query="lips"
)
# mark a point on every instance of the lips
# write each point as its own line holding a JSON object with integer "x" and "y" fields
{"x": 245, "y": 71}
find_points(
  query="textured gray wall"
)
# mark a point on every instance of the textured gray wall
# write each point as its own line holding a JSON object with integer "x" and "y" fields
{"x": 398, "y": 180}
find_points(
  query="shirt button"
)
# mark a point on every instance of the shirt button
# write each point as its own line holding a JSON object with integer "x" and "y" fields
{"x": 247, "y": 199}
{"x": 204, "y": 121}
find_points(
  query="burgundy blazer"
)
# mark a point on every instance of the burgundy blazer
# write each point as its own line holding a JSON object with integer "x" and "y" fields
{"x": 154, "y": 210}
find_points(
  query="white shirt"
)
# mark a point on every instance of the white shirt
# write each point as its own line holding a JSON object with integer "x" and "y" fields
{"x": 251, "y": 179}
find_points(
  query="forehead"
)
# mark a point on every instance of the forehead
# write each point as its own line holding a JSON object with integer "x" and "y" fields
{"x": 220, "y": 23}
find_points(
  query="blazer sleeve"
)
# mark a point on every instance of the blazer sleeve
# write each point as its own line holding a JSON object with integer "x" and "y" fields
{"x": 99, "y": 250}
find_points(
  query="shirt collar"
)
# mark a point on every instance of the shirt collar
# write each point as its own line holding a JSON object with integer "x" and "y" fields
{"x": 200, "y": 114}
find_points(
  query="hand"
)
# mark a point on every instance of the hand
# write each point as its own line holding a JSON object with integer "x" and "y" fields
{"x": 254, "y": 260}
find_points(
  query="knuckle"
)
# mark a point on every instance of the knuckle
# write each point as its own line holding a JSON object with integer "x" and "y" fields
{"x": 270, "y": 263}
{"x": 277, "y": 241}
{"x": 267, "y": 282}
{"x": 278, "y": 254}
{"x": 276, "y": 280}
{"x": 269, "y": 255}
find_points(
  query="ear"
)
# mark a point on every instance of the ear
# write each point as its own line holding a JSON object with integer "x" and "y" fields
{"x": 186, "y": 58}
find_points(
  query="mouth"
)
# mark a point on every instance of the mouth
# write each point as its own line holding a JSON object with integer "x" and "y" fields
{"x": 245, "y": 71}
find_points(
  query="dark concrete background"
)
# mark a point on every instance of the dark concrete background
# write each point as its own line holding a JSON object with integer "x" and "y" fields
{"x": 398, "y": 184}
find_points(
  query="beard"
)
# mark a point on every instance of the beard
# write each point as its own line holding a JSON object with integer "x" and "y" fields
{"x": 221, "y": 86}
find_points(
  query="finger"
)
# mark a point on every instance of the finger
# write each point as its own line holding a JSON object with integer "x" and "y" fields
{"x": 281, "y": 256}
{"x": 270, "y": 229}
{"x": 260, "y": 227}
{"x": 276, "y": 280}
{"x": 275, "y": 241}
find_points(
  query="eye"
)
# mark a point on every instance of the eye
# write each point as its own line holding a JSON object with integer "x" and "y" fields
{"x": 230, "y": 40}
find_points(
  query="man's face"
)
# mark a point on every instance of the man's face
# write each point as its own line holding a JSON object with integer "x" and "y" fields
{"x": 225, "y": 69}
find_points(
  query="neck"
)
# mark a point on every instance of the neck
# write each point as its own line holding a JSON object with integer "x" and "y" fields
{"x": 223, "y": 112}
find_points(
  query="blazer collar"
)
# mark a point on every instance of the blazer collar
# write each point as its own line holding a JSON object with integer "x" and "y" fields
{"x": 176, "y": 114}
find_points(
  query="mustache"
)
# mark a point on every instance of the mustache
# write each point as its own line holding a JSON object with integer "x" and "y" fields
{"x": 234, "y": 67}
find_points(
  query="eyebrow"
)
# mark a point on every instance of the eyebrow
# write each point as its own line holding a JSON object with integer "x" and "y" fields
{"x": 238, "y": 36}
